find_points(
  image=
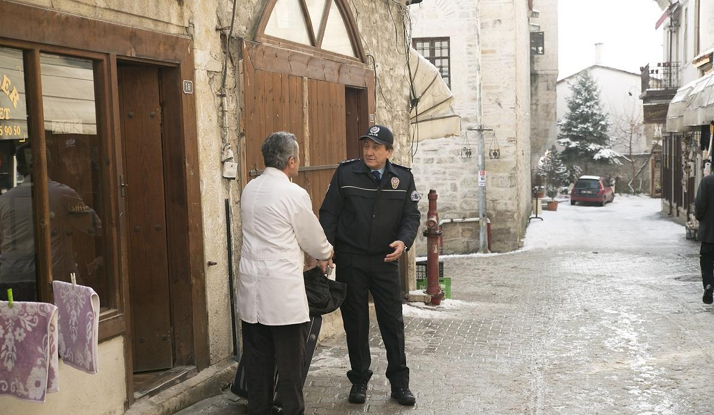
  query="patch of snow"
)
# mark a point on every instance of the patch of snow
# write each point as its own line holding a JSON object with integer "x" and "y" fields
{"x": 617, "y": 225}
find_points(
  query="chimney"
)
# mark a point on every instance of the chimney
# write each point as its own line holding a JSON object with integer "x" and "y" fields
{"x": 598, "y": 54}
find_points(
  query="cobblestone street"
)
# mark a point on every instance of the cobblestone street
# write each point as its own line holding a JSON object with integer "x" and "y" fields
{"x": 600, "y": 313}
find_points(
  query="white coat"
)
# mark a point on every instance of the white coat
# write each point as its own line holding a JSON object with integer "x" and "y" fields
{"x": 278, "y": 225}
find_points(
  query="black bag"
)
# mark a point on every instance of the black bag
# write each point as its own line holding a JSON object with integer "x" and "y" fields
{"x": 323, "y": 294}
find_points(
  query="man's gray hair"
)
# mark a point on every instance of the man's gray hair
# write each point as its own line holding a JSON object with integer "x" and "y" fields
{"x": 278, "y": 148}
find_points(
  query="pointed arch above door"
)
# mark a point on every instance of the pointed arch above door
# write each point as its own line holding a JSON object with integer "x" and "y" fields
{"x": 320, "y": 25}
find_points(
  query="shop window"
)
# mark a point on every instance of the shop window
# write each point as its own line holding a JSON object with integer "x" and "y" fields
{"x": 438, "y": 52}
{"x": 74, "y": 177}
{"x": 18, "y": 270}
{"x": 74, "y": 182}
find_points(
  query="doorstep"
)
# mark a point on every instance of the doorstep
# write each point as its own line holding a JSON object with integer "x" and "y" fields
{"x": 205, "y": 384}
{"x": 213, "y": 380}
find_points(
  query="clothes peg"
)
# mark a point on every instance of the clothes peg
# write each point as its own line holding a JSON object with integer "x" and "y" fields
{"x": 9, "y": 297}
{"x": 73, "y": 278}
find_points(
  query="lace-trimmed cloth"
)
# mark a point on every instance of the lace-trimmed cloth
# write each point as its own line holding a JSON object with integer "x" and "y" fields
{"x": 28, "y": 350}
{"x": 78, "y": 325}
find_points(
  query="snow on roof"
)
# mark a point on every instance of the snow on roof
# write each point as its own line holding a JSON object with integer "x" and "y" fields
{"x": 589, "y": 177}
{"x": 598, "y": 66}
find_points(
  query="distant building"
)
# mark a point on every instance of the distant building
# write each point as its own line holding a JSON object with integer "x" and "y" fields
{"x": 675, "y": 99}
{"x": 457, "y": 35}
{"x": 619, "y": 96}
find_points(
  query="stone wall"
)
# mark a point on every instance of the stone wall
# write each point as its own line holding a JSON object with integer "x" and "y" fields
{"x": 544, "y": 78}
{"x": 208, "y": 22}
{"x": 441, "y": 164}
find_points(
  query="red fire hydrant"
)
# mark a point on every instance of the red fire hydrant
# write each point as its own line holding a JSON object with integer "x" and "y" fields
{"x": 432, "y": 233}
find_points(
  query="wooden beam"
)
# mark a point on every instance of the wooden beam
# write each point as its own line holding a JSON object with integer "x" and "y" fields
{"x": 275, "y": 59}
{"x": 308, "y": 22}
{"x": 40, "y": 197}
{"x": 50, "y": 27}
{"x": 323, "y": 23}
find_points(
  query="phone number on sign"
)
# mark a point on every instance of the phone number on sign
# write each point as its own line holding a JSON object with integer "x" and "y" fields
{"x": 10, "y": 130}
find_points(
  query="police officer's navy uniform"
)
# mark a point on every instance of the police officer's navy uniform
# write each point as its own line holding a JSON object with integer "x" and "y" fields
{"x": 361, "y": 217}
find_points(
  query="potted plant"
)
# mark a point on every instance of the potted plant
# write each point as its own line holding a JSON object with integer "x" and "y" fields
{"x": 552, "y": 170}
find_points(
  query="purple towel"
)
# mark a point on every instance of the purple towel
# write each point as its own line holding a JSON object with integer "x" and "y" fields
{"x": 78, "y": 325}
{"x": 28, "y": 350}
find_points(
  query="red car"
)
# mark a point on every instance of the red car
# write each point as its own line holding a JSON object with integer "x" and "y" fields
{"x": 591, "y": 189}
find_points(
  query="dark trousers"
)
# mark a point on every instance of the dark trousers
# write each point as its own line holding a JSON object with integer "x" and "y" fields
{"x": 706, "y": 262}
{"x": 266, "y": 347}
{"x": 364, "y": 274}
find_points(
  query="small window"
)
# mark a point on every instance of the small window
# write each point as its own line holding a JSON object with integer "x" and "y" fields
{"x": 438, "y": 52}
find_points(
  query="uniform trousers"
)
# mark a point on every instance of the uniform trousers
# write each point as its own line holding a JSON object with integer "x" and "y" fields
{"x": 366, "y": 274}
{"x": 706, "y": 262}
{"x": 266, "y": 347}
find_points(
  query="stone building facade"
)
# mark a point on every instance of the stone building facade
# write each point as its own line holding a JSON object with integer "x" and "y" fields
{"x": 197, "y": 32}
{"x": 495, "y": 34}
{"x": 544, "y": 78}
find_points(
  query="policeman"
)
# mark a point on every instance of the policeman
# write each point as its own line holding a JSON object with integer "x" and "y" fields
{"x": 370, "y": 216}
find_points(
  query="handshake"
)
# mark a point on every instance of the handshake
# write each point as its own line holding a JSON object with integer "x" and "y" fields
{"x": 325, "y": 265}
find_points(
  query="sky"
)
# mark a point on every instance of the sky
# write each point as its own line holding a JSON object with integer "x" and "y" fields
{"x": 625, "y": 27}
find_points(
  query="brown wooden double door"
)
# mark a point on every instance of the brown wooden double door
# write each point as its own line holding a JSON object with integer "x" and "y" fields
{"x": 327, "y": 118}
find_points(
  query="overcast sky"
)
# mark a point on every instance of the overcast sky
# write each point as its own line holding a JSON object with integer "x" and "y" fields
{"x": 625, "y": 27}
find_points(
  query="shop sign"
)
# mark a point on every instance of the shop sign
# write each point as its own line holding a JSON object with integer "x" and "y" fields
{"x": 7, "y": 129}
{"x": 655, "y": 114}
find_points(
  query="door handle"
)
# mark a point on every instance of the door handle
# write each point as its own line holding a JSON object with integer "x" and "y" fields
{"x": 122, "y": 185}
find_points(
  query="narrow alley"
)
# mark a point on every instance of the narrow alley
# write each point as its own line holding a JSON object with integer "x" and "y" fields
{"x": 599, "y": 313}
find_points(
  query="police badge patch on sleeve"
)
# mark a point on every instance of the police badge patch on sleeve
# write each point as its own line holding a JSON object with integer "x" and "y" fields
{"x": 415, "y": 196}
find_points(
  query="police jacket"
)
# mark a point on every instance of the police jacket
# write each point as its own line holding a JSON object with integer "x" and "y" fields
{"x": 360, "y": 217}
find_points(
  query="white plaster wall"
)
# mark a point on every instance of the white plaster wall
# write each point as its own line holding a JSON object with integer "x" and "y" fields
{"x": 615, "y": 88}
{"x": 80, "y": 393}
{"x": 706, "y": 26}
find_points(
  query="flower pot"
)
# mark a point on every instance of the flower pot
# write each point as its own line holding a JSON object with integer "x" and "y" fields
{"x": 552, "y": 205}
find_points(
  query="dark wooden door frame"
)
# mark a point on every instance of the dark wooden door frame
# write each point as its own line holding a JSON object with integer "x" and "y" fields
{"x": 48, "y": 30}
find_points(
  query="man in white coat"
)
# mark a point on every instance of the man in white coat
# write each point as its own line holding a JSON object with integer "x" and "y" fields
{"x": 278, "y": 225}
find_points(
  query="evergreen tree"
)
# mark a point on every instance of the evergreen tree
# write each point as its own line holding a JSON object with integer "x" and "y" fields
{"x": 553, "y": 171}
{"x": 584, "y": 131}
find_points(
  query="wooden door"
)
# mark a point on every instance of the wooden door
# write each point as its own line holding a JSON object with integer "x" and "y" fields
{"x": 356, "y": 120}
{"x": 144, "y": 197}
{"x": 311, "y": 109}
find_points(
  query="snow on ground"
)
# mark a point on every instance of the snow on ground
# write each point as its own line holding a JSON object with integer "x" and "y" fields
{"x": 617, "y": 225}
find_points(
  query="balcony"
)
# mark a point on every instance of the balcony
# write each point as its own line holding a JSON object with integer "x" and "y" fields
{"x": 660, "y": 82}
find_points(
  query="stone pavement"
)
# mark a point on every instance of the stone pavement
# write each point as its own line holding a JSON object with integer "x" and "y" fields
{"x": 565, "y": 329}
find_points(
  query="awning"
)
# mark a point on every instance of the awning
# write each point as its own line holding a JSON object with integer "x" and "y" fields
{"x": 431, "y": 114}
{"x": 692, "y": 106}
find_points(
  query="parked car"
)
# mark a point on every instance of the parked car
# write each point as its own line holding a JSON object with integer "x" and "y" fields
{"x": 591, "y": 189}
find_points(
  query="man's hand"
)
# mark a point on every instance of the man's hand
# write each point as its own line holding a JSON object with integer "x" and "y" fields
{"x": 399, "y": 249}
{"x": 325, "y": 264}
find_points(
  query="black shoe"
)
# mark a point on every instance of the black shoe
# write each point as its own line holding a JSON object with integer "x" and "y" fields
{"x": 708, "y": 295}
{"x": 358, "y": 393}
{"x": 404, "y": 396}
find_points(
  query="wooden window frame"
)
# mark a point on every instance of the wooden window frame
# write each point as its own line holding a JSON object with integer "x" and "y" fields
{"x": 34, "y": 30}
{"x": 432, "y": 58}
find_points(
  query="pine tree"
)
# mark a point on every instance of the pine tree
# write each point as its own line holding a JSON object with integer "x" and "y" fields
{"x": 553, "y": 171}
{"x": 584, "y": 131}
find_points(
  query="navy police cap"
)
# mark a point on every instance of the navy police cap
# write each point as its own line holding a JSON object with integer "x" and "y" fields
{"x": 379, "y": 134}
